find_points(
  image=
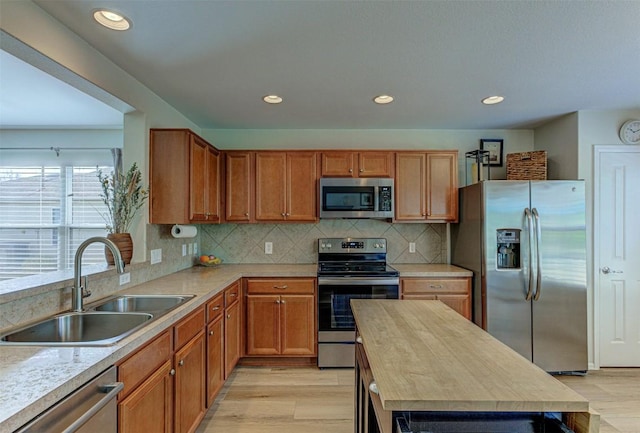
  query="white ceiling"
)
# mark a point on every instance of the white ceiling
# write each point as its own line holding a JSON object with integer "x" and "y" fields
{"x": 214, "y": 60}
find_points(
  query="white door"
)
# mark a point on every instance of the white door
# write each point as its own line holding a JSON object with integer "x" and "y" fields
{"x": 617, "y": 254}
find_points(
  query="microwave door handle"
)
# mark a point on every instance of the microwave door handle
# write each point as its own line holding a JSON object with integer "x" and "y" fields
{"x": 376, "y": 198}
{"x": 527, "y": 213}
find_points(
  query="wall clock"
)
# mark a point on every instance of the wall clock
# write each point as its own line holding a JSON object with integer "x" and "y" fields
{"x": 630, "y": 131}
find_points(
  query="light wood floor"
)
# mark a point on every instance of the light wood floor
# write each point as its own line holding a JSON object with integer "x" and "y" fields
{"x": 309, "y": 400}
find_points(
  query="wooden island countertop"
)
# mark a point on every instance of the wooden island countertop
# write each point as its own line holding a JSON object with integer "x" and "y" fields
{"x": 424, "y": 356}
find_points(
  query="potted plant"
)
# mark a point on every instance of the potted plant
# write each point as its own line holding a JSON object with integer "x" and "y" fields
{"x": 123, "y": 194}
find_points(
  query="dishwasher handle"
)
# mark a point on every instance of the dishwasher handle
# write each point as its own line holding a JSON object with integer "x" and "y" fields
{"x": 110, "y": 391}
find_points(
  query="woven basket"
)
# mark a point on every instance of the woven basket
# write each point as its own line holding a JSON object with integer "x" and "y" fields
{"x": 527, "y": 165}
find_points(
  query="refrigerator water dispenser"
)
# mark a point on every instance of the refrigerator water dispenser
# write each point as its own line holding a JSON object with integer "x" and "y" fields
{"x": 508, "y": 248}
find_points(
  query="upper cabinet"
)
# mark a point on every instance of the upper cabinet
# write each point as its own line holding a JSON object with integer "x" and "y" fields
{"x": 286, "y": 186}
{"x": 357, "y": 164}
{"x": 426, "y": 186}
{"x": 239, "y": 186}
{"x": 184, "y": 173}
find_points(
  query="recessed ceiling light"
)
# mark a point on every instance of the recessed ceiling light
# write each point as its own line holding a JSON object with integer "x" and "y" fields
{"x": 112, "y": 20}
{"x": 272, "y": 99}
{"x": 490, "y": 100}
{"x": 383, "y": 99}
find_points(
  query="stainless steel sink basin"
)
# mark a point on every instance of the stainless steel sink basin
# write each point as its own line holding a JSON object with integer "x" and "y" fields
{"x": 74, "y": 329}
{"x": 142, "y": 303}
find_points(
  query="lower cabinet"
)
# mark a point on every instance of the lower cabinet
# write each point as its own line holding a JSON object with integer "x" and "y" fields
{"x": 281, "y": 317}
{"x": 190, "y": 384}
{"x": 454, "y": 292}
{"x": 232, "y": 328}
{"x": 149, "y": 408}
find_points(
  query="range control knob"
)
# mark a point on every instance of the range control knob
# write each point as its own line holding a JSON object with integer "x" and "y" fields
{"x": 328, "y": 245}
{"x": 322, "y": 246}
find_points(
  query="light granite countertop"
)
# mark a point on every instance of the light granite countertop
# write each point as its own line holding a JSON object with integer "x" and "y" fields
{"x": 33, "y": 378}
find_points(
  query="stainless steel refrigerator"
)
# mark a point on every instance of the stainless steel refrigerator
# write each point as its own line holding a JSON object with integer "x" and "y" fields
{"x": 525, "y": 242}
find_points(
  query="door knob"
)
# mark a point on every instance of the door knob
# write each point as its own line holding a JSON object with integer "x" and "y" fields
{"x": 607, "y": 270}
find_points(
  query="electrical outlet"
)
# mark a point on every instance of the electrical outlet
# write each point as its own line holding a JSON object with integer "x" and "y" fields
{"x": 125, "y": 278}
{"x": 190, "y": 249}
{"x": 156, "y": 256}
{"x": 268, "y": 247}
{"x": 412, "y": 247}
{"x": 184, "y": 250}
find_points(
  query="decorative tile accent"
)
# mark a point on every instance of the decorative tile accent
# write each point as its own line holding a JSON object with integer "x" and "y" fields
{"x": 297, "y": 243}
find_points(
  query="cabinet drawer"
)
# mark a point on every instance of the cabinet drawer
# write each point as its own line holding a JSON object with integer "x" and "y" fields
{"x": 232, "y": 293}
{"x": 215, "y": 307}
{"x": 189, "y": 327}
{"x": 280, "y": 286}
{"x": 141, "y": 364}
{"x": 428, "y": 285}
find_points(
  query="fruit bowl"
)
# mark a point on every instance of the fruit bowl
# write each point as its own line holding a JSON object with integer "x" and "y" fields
{"x": 210, "y": 260}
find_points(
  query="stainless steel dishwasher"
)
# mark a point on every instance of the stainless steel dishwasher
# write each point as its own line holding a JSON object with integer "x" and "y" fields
{"x": 90, "y": 409}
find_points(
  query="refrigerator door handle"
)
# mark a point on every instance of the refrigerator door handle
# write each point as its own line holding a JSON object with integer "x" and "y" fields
{"x": 538, "y": 231}
{"x": 527, "y": 213}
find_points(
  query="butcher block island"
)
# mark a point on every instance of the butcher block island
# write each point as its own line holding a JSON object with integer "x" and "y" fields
{"x": 420, "y": 366}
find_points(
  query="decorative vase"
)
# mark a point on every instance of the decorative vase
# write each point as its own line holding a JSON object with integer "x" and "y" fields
{"x": 124, "y": 243}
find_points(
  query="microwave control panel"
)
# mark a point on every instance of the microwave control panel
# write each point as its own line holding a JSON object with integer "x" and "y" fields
{"x": 385, "y": 199}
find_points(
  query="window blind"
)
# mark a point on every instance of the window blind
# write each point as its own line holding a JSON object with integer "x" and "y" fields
{"x": 45, "y": 213}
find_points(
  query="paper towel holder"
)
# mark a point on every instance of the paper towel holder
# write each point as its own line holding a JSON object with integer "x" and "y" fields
{"x": 184, "y": 231}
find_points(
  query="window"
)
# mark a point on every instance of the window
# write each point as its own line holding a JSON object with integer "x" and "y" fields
{"x": 45, "y": 213}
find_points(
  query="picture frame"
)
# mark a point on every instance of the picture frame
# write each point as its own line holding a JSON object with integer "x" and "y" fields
{"x": 495, "y": 147}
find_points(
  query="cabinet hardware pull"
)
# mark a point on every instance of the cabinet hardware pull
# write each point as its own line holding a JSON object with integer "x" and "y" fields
{"x": 435, "y": 286}
{"x": 373, "y": 387}
{"x": 282, "y": 214}
{"x": 233, "y": 294}
{"x": 216, "y": 308}
{"x": 181, "y": 363}
{"x": 228, "y": 316}
{"x": 282, "y": 302}
{"x": 359, "y": 339}
{"x": 351, "y": 170}
{"x": 362, "y": 170}
{"x": 288, "y": 214}
{"x": 172, "y": 372}
{"x": 246, "y": 214}
{"x": 277, "y": 301}
{"x": 280, "y": 287}
{"x": 210, "y": 332}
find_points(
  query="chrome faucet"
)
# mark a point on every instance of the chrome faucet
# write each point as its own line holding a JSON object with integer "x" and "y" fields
{"x": 77, "y": 290}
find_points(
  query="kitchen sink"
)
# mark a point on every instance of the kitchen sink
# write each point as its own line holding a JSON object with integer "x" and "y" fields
{"x": 154, "y": 304}
{"x": 90, "y": 328}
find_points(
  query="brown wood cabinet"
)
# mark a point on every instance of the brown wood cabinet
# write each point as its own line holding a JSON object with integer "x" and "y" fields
{"x": 215, "y": 346}
{"x": 281, "y": 317}
{"x": 454, "y": 292}
{"x": 286, "y": 186}
{"x": 184, "y": 173}
{"x": 239, "y": 186}
{"x": 426, "y": 186}
{"x": 232, "y": 328}
{"x": 190, "y": 384}
{"x": 357, "y": 164}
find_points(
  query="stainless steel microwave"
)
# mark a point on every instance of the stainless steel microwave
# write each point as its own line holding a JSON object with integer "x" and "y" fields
{"x": 356, "y": 198}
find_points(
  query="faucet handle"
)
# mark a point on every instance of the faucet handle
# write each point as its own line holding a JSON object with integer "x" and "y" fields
{"x": 85, "y": 289}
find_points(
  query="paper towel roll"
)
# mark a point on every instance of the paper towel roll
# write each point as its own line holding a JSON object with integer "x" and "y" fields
{"x": 180, "y": 231}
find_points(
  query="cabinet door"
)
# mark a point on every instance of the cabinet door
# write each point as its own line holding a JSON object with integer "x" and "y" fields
{"x": 297, "y": 325}
{"x": 215, "y": 358}
{"x": 149, "y": 407}
{"x": 302, "y": 187}
{"x": 410, "y": 186}
{"x": 231, "y": 338}
{"x": 338, "y": 164}
{"x": 263, "y": 327}
{"x": 213, "y": 185}
{"x": 271, "y": 186}
{"x": 238, "y": 186}
{"x": 442, "y": 186}
{"x": 197, "y": 179}
{"x": 459, "y": 303}
{"x": 190, "y": 385}
{"x": 375, "y": 164}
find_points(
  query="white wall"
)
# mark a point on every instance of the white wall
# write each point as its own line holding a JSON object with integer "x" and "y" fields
{"x": 560, "y": 139}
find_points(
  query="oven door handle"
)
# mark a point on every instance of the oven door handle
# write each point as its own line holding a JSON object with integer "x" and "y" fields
{"x": 357, "y": 281}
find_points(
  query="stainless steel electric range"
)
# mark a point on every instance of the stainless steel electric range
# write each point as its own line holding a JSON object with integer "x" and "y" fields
{"x": 348, "y": 268}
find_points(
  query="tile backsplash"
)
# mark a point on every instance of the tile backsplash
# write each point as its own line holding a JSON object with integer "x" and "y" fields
{"x": 297, "y": 243}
